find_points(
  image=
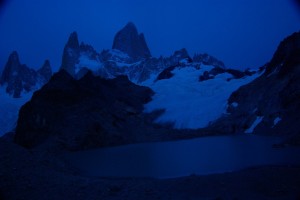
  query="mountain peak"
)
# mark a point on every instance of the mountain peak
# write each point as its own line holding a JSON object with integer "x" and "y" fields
{"x": 129, "y": 41}
{"x": 73, "y": 40}
{"x": 14, "y": 56}
{"x": 130, "y": 25}
{"x": 13, "y": 59}
{"x": 47, "y": 62}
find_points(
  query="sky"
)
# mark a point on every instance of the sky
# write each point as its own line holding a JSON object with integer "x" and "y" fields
{"x": 241, "y": 33}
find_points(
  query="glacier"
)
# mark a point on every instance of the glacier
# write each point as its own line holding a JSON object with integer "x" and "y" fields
{"x": 190, "y": 104}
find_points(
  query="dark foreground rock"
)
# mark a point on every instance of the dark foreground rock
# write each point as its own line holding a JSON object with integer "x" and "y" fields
{"x": 86, "y": 113}
{"x": 32, "y": 175}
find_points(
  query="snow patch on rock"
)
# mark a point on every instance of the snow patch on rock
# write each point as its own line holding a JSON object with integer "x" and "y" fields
{"x": 276, "y": 121}
{"x": 257, "y": 121}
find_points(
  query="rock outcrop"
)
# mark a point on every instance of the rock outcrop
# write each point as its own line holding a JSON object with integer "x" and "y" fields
{"x": 129, "y": 41}
{"x": 236, "y": 74}
{"x": 208, "y": 60}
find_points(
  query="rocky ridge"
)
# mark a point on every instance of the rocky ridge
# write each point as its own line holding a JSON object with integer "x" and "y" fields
{"x": 129, "y": 56}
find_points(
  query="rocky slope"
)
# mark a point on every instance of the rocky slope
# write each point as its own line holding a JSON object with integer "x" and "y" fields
{"x": 271, "y": 103}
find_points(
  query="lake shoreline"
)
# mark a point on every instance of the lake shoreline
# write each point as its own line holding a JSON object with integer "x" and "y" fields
{"x": 28, "y": 175}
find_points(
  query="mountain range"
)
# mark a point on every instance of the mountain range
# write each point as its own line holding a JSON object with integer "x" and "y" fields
{"x": 124, "y": 95}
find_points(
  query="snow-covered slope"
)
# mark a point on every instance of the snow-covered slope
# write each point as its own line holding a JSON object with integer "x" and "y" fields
{"x": 9, "y": 109}
{"x": 190, "y": 103}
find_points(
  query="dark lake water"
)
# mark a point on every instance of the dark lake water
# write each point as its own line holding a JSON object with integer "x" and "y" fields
{"x": 200, "y": 156}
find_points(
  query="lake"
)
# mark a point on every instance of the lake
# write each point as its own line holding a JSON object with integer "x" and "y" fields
{"x": 206, "y": 155}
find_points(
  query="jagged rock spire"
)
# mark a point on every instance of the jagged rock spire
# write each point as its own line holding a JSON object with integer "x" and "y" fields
{"x": 45, "y": 71}
{"x": 71, "y": 54}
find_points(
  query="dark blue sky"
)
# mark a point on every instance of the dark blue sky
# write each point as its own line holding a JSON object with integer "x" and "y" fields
{"x": 241, "y": 33}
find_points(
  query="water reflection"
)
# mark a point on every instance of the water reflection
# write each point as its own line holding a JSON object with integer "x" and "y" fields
{"x": 182, "y": 158}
